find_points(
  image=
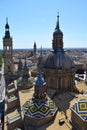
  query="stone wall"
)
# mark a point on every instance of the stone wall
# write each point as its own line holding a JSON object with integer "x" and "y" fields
{"x": 15, "y": 124}
{"x": 13, "y": 104}
{"x": 36, "y": 122}
{"x": 78, "y": 122}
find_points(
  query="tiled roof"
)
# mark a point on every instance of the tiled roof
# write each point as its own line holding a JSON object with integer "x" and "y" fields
{"x": 80, "y": 107}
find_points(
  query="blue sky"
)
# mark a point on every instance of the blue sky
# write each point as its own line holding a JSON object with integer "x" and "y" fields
{"x": 35, "y": 20}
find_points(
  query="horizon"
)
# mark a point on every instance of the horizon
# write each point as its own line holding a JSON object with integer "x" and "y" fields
{"x": 66, "y": 48}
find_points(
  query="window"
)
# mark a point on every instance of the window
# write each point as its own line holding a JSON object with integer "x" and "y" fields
{"x": 8, "y": 48}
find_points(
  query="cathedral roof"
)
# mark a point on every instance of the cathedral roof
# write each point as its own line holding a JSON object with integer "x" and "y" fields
{"x": 39, "y": 111}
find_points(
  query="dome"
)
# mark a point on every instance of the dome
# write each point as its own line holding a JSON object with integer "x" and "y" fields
{"x": 39, "y": 81}
{"x": 58, "y": 60}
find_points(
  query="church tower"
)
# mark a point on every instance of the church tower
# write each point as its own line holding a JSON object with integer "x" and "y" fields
{"x": 35, "y": 49}
{"x": 8, "y": 53}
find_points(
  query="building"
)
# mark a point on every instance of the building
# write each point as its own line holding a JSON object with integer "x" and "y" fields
{"x": 25, "y": 81}
{"x": 40, "y": 109}
{"x": 8, "y": 54}
{"x": 12, "y": 115}
{"x": 58, "y": 67}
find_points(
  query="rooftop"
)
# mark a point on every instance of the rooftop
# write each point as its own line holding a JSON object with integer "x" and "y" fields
{"x": 63, "y": 101}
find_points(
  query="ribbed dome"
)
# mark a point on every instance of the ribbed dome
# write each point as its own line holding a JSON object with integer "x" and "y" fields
{"x": 58, "y": 60}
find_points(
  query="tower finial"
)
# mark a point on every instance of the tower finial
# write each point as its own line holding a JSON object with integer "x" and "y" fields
{"x": 57, "y": 24}
{"x": 7, "y": 25}
{"x": 6, "y": 20}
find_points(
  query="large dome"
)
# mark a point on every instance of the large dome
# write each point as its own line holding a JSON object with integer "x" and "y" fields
{"x": 58, "y": 60}
{"x": 58, "y": 67}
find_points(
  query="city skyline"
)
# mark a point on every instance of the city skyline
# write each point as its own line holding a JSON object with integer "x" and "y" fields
{"x": 35, "y": 21}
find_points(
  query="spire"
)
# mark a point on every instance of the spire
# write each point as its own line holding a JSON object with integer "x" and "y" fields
{"x": 35, "y": 47}
{"x": 34, "y": 44}
{"x": 25, "y": 65}
{"x": 41, "y": 55}
{"x": 7, "y": 25}
{"x": 25, "y": 74}
{"x": 57, "y": 29}
{"x": 57, "y": 37}
{"x": 57, "y": 24}
{"x": 20, "y": 64}
{"x": 6, "y": 19}
{"x": 7, "y": 33}
{"x": 41, "y": 49}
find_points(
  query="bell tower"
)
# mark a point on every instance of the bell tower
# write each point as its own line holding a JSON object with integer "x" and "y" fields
{"x": 8, "y": 53}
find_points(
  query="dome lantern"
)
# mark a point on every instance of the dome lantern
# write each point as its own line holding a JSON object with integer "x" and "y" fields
{"x": 57, "y": 37}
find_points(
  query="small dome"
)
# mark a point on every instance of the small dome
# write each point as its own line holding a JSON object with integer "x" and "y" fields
{"x": 39, "y": 81}
{"x": 7, "y": 26}
{"x": 58, "y": 60}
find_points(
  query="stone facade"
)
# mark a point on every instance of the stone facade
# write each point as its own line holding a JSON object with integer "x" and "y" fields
{"x": 61, "y": 80}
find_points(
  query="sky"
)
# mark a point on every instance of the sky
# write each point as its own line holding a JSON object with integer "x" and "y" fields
{"x": 35, "y": 21}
